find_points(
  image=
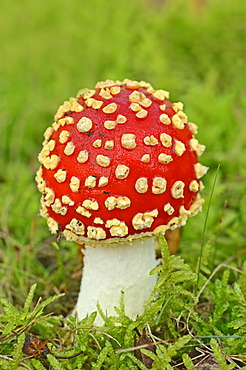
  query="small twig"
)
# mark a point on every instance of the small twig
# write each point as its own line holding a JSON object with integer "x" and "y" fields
{"x": 151, "y": 335}
{"x": 208, "y": 351}
{"x": 36, "y": 307}
{"x": 24, "y": 365}
{"x": 237, "y": 358}
{"x": 96, "y": 341}
{"x": 223, "y": 264}
{"x": 99, "y": 331}
{"x": 6, "y": 358}
{"x": 189, "y": 331}
{"x": 229, "y": 359}
{"x": 130, "y": 349}
{"x": 203, "y": 359}
{"x": 22, "y": 329}
{"x": 122, "y": 350}
{"x": 193, "y": 358}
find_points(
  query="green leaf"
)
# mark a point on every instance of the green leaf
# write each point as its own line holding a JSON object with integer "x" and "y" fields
{"x": 220, "y": 358}
{"x": 37, "y": 364}
{"x": 56, "y": 365}
{"x": 28, "y": 301}
{"x": 188, "y": 362}
{"x": 17, "y": 353}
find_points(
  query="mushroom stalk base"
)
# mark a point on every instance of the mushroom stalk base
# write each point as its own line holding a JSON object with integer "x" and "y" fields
{"x": 109, "y": 271}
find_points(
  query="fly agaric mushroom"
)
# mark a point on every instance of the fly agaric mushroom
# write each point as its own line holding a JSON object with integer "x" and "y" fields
{"x": 118, "y": 166}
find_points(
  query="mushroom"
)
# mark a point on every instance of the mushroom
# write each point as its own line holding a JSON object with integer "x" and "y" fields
{"x": 119, "y": 165}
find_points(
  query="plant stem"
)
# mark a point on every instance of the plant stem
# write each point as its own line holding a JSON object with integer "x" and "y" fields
{"x": 205, "y": 227}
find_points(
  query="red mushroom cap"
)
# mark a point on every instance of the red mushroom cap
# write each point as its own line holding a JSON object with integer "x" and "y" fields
{"x": 120, "y": 161}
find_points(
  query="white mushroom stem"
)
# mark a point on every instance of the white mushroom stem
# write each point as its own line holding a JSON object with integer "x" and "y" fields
{"x": 115, "y": 268}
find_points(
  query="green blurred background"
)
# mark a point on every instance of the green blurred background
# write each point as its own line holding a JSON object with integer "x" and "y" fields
{"x": 51, "y": 49}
